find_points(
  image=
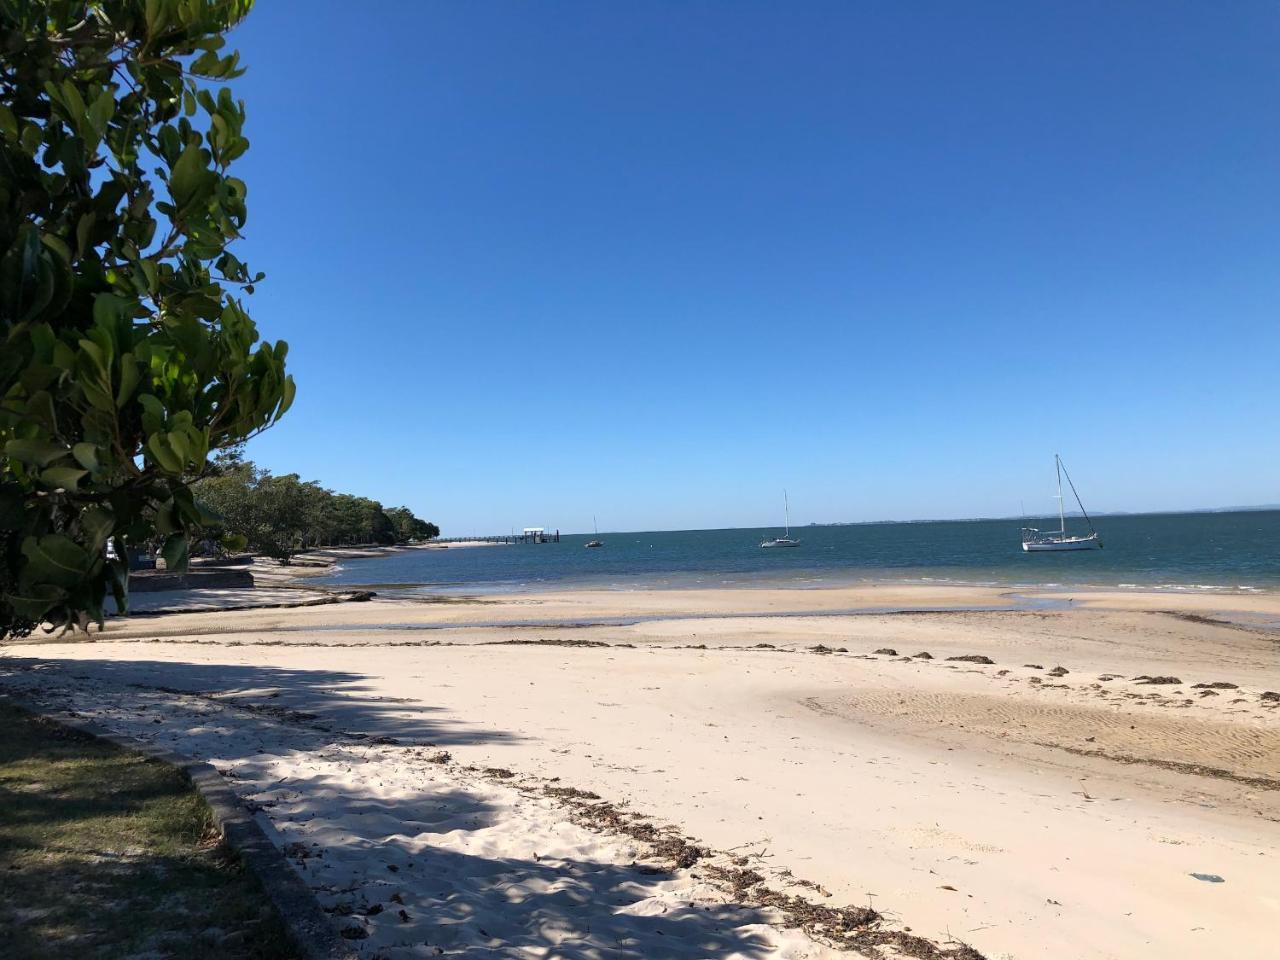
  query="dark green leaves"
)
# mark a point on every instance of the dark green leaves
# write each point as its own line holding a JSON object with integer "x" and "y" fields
{"x": 34, "y": 601}
{"x": 175, "y": 553}
{"x": 191, "y": 181}
{"x": 60, "y": 479}
{"x": 56, "y": 559}
{"x": 36, "y": 452}
{"x": 86, "y": 455}
{"x": 125, "y": 355}
{"x": 279, "y": 515}
{"x": 97, "y": 524}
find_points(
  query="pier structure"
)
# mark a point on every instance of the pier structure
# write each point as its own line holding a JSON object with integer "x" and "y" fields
{"x": 527, "y": 535}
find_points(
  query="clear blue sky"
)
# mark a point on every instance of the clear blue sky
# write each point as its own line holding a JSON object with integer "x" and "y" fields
{"x": 656, "y": 261}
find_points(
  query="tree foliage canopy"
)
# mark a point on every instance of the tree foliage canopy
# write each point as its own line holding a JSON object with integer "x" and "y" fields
{"x": 280, "y": 515}
{"x": 408, "y": 527}
{"x": 126, "y": 354}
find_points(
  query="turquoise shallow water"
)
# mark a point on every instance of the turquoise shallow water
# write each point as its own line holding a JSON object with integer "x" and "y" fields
{"x": 1191, "y": 551}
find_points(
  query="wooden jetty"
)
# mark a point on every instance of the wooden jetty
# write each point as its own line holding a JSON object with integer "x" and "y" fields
{"x": 527, "y": 535}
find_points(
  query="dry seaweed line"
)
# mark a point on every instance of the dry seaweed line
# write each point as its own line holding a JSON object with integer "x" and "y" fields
{"x": 846, "y": 928}
{"x": 1178, "y": 766}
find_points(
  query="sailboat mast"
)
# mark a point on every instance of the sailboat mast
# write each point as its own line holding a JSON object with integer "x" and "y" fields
{"x": 1079, "y": 502}
{"x": 1062, "y": 517}
{"x": 786, "y": 509}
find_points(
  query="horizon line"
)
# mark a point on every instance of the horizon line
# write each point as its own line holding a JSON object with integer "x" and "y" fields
{"x": 1256, "y": 508}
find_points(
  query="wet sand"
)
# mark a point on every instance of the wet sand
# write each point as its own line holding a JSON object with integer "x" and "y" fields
{"x": 1025, "y": 810}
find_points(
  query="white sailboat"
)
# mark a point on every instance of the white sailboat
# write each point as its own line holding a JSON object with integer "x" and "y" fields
{"x": 784, "y": 540}
{"x": 597, "y": 542}
{"x": 1034, "y": 541}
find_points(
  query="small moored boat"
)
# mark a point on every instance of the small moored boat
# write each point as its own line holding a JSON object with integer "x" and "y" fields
{"x": 1037, "y": 541}
{"x": 784, "y": 540}
{"x": 597, "y": 542}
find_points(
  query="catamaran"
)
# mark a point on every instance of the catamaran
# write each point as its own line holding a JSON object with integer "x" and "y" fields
{"x": 597, "y": 542}
{"x": 1034, "y": 540}
{"x": 784, "y": 540}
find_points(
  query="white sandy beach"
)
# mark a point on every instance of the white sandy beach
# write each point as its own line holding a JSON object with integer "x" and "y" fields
{"x": 1029, "y": 812}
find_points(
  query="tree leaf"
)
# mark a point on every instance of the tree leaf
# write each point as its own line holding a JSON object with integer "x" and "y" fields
{"x": 189, "y": 179}
{"x": 102, "y": 110}
{"x": 175, "y": 553}
{"x": 62, "y": 478}
{"x": 55, "y": 559}
{"x": 97, "y": 524}
{"x": 37, "y": 452}
{"x": 36, "y": 600}
{"x": 32, "y": 137}
{"x": 128, "y": 379}
{"x": 158, "y": 447}
{"x": 86, "y": 455}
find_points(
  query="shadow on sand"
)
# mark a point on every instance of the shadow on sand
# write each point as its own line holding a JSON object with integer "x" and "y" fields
{"x": 362, "y": 829}
{"x": 575, "y": 909}
{"x": 325, "y": 701}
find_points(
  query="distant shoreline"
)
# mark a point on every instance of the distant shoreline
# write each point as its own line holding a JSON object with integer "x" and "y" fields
{"x": 1014, "y": 518}
{"x": 321, "y": 561}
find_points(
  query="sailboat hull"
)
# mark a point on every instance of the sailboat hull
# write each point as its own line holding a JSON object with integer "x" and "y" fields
{"x": 784, "y": 540}
{"x": 1090, "y": 542}
{"x": 1040, "y": 541}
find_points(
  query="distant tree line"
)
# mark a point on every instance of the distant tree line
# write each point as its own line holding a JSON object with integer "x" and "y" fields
{"x": 280, "y": 515}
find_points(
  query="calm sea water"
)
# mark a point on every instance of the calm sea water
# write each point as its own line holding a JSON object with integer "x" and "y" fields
{"x": 1193, "y": 551}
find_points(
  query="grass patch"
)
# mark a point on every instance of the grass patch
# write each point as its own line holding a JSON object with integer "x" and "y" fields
{"x": 105, "y": 853}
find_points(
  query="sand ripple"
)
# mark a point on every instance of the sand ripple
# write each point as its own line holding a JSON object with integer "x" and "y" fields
{"x": 1242, "y": 750}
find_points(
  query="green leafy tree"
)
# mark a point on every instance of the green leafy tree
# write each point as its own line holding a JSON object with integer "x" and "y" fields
{"x": 280, "y": 515}
{"x": 319, "y": 523}
{"x": 408, "y": 527}
{"x": 126, "y": 354}
{"x": 375, "y": 525}
{"x": 270, "y": 515}
{"x": 361, "y": 520}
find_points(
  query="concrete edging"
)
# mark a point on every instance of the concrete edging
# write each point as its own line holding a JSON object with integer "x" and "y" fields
{"x": 308, "y": 926}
